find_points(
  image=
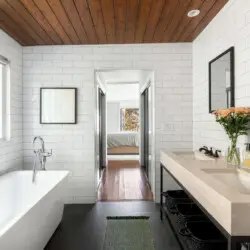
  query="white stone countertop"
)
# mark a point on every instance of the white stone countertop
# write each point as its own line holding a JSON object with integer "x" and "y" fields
{"x": 226, "y": 201}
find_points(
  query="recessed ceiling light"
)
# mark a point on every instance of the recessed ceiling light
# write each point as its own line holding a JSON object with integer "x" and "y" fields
{"x": 193, "y": 13}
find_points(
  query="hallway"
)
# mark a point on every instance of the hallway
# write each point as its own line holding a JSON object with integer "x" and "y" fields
{"x": 124, "y": 180}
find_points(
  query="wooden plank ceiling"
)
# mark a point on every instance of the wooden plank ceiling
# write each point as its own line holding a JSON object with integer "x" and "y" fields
{"x": 51, "y": 22}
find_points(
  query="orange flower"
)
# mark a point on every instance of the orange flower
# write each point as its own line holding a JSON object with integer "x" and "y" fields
{"x": 225, "y": 112}
{"x": 218, "y": 111}
{"x": 242, "y": 110}
{"x": 232, "y": 110}
{"x": 222, "y": 112}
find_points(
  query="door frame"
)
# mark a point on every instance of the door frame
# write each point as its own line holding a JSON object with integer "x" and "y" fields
{"x": 102, "y": 129}
{"x": 149, "y": 82}
{"x": 144, "y": 129}
{"x": 100, "y": 86}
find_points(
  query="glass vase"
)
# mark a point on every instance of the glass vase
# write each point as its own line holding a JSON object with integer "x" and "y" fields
{"x": 233, "y": 155}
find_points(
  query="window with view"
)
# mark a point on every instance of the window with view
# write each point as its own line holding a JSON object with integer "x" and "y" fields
{"x": 4, "y": 76}
{"x": 129, "y": 119}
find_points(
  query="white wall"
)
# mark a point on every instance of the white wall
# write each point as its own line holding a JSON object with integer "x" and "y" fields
{"x": 122, "y": 92}
{"x": 231, "y": 27}
{"x": 11, "y": 151}
{"x": 113, "y": 117}
{"x": 73, "y": 145}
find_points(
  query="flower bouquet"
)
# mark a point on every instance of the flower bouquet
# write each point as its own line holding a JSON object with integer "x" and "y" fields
{"x": 235, "y": 123}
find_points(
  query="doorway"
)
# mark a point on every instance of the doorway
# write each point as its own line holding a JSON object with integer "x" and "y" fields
{"x": 124, "y": 136}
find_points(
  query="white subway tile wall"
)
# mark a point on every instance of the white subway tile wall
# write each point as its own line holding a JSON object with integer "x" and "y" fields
{"x": 231, "y": 27}
{"x": 11, "y": 151}
{"x": 181, "y": 95}
{"x": 73, "y": 66}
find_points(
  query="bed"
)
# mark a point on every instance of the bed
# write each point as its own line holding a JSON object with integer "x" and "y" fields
{"x": 126, "y": 142}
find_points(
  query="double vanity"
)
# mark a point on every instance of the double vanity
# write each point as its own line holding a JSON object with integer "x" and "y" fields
{"x": 220, "y": 191}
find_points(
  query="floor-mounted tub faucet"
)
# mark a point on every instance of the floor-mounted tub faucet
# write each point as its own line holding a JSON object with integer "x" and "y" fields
{"x": 41, "y": 154}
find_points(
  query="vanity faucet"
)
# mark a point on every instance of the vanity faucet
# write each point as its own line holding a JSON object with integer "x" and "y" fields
{"x": 216, "y": 154}
{"x": 211, "y": 151}
{"x": 204, "y": 148}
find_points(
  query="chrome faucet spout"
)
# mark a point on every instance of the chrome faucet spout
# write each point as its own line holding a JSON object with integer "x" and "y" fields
{"x": 41, "y": 141}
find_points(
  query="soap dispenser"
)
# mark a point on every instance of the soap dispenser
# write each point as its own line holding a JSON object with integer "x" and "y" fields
{"x": 246, "y": 161}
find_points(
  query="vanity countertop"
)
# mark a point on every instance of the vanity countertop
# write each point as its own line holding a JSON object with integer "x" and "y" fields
{"x": 215, "y": 186}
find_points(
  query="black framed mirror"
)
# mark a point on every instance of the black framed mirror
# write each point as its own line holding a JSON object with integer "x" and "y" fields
{"x": 221, "y": 81}
{"x": 58, "y": 105}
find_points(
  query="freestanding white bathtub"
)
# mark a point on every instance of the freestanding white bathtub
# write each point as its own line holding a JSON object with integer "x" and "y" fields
{"x": 30, "y": 212}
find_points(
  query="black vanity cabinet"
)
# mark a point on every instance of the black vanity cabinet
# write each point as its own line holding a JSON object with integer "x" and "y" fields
{"x": 185, "y": 215}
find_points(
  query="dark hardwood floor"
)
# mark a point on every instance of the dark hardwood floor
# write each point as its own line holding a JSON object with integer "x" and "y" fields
{"x": 83, "y": 226}
{"x": 124, "y": 180}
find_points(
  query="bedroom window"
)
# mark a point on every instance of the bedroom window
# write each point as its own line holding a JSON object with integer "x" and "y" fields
{"x": 4, "y": 78}
{"x": 129, "y": 119}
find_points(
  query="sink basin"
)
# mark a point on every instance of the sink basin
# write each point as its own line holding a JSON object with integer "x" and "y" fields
{"x": 195, "y": 156}
{"x": 244, "y": 177}
{"x": 238, "y": 179}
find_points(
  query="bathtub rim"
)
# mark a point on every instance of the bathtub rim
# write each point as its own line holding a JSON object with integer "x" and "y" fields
{"x": 14, "y": 220}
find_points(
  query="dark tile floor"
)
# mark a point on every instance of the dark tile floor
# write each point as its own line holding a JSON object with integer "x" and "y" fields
{"x": 83, "y": 226}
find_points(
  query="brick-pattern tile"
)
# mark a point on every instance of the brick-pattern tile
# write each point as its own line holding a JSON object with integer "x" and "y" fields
{"x": 74, "y": 66}
{"x": 231, "y": 27}
{"x": 11, "y": 151}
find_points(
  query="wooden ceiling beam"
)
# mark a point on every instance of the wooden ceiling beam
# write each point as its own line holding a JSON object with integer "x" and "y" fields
{"x": 185, "y": 20}
{"x": 207, "y": 19}
{"x": 18, "y": 19}
{"x": 166, "y": 15}
{"x": 63, "y": 18}
{"x": 154, "y": 16}
{"x": 97, "y": 17}
{"x": 40, "y": 18}
{"x": 12, "y": 33}
{"x": 109, "y": 19}
{"x": 75, "y": 20}
{"x": 87, "y": 22}
{"x": 16, "y": 29}
{"x": 205, "y": 8}
{"x": 175, "y": 19}
{"x": 28, "y": 18}
{"x": 131, "y": 20}
{"x": 120, "y": 20}
{"x": 143, "y": 16}
{"x": 47, "y": 12}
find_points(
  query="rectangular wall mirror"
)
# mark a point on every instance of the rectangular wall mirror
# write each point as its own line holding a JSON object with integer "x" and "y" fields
{"x": 58, "y": 105}
{"x": 221, "y": 81}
